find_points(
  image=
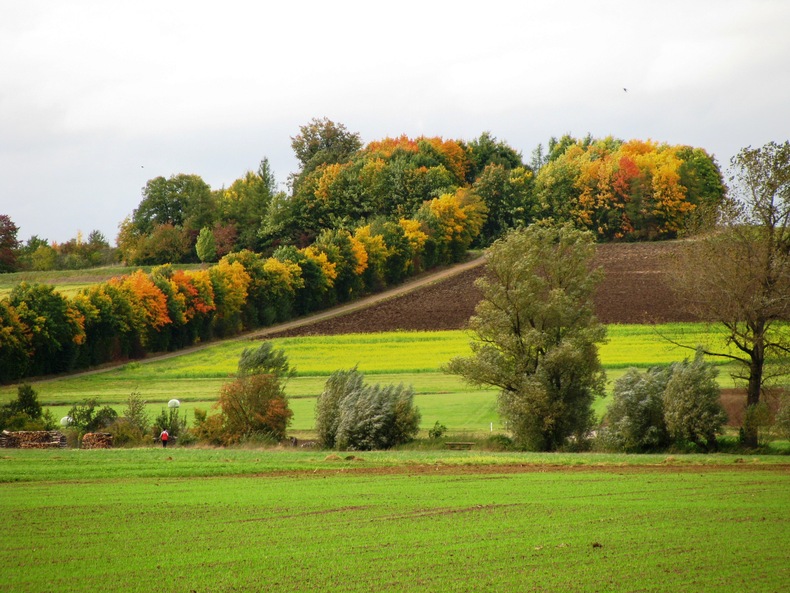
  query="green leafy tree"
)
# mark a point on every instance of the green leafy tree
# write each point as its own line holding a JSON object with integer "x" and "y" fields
{"x": 9, "y": 245}
{"x": 738, "y": 273}
{"x": 536, "y": 334}
{"x": 509, "y": 197}
{"x": 487, "y": 150}
{"x": 206, "y": 247}
{"x": 328, "y": 405}
{"x": 244, "y": 205}
{"x": 322, "y": 142}
{"x": 265, "y": 360}
{"x": 182, "y": 201}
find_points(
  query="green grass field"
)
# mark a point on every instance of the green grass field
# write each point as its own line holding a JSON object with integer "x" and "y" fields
{"x": 244, "y": 520}
{"x": 69, "y": 282}
{"x": 412, "y": 358}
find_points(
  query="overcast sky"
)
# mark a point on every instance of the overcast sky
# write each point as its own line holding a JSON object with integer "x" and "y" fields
{"x": 97, "y": 97}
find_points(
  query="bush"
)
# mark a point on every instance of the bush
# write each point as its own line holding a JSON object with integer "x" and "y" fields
{"x": 692, "y": 409}
{"x": 24, "y": 413}
{"x": 782, "y": 420}
{"x": 85, "y": 417}
{"x": 254, "y": 405}
{"x": 635, "y": 420}
{"x": 125, "y": 433}
{"x": 500, "y": 442}
{"x": 352, "y": 415}
{"x": 170, "y": 419}
{"x": 437, "y": 431}
{"x": 677, "y": 405}
{"x": 327, "y": 408}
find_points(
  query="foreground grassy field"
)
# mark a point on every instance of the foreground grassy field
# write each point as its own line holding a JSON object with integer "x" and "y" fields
{"x": 412, "y": 358}
{"x": 200, "y": 520}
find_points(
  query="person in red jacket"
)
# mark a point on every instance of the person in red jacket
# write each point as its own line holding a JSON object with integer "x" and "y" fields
{"x": 163, "y": 437}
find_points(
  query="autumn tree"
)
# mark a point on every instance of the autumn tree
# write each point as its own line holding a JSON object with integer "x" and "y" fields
{"x": 317, "y": 275}
{"x": 738, "y": 273}
{"x": 455, "y": 220}
{"x": 149, "y": 311}
{"x": 229, "y": 282}
{"x": 536, "y": 336}
{"x": 14, "y": 344}
{"x": 349, "y": 258}
{"x": 255, "y": 404}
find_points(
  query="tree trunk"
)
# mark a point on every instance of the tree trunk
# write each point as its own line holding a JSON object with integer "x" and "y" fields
{"x": 749, "y": 436}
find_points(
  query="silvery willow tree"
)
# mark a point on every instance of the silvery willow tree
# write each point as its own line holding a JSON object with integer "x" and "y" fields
{"x": 536, "y": 335}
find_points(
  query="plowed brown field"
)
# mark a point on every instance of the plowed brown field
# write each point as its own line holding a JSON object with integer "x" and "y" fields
{"x": 634, "y": 291}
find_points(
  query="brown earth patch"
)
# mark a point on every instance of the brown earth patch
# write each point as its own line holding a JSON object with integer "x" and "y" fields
{"x": 634, "y": 291}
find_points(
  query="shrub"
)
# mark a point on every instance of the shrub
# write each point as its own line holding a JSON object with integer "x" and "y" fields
{"x": 208, "y": 428}
{"x": 500, "y": 442}
{"x": 135, "y": 413}
{"x": 170, "y": 419}
{"x": 692, "y": 409}
{"x": 635, "y": 420}
{"x": 352, "y": 415}
{"x": 437, "y": 431}
{"x": 132, "y": 428}
{"x": 677, "y": 405}
{"x": 327, "y": 409}
{"x": 85, "y": 417}
{"x": 24, "y": 413}
{"x": 254, "y": 405}
{"x": 782, "y": 420}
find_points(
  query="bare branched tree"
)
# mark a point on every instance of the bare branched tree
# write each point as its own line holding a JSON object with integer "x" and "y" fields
{"x": 738, "y": 272}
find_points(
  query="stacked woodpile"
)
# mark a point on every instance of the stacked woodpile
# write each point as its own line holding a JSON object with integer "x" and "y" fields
{"x": 97, "y": 440}
{"x": 33, "y": 439}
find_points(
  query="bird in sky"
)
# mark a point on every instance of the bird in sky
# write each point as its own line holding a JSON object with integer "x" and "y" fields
{"x": 625, "y": 89}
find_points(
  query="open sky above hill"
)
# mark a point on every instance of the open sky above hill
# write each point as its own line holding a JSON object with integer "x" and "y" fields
{"x": 97, "y": 97}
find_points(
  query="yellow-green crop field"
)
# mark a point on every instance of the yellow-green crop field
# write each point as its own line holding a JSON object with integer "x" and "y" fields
{"x": 413, "y": 358}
